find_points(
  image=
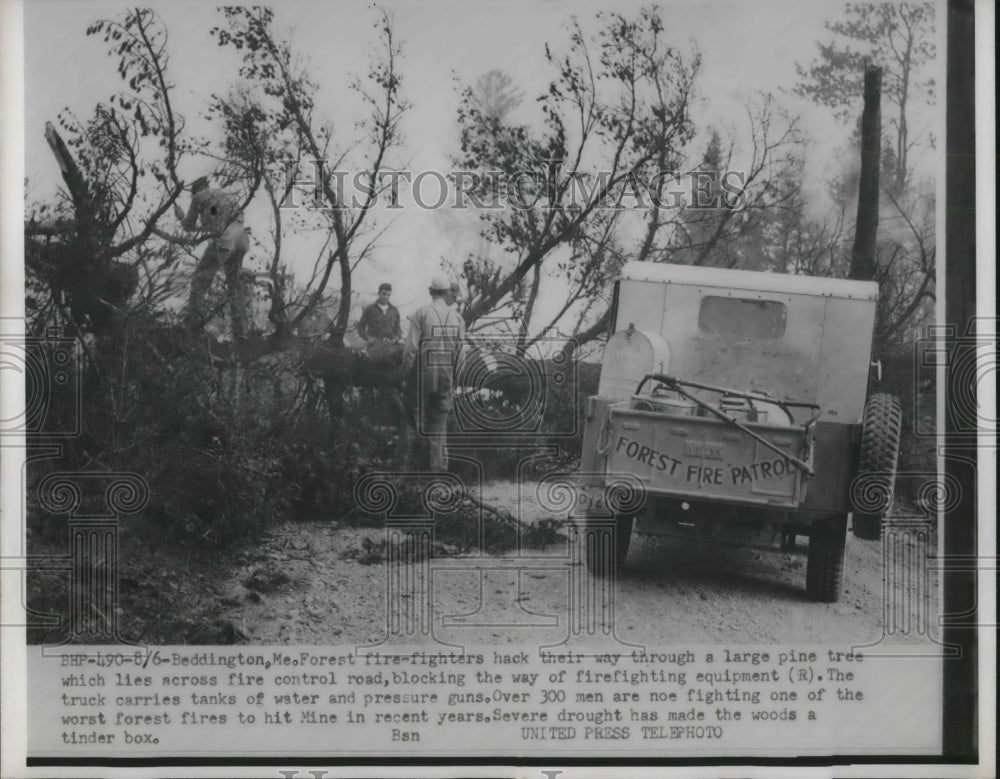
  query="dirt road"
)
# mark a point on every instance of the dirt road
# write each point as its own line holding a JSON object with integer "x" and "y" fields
{"x": 321, "y": 583}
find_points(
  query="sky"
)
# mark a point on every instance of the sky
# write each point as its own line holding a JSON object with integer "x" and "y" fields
{"x": 744, "y": 46}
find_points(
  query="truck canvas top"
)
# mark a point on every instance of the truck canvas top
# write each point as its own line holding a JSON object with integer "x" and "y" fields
{"x": 796, "y": 337}
{"x": 748, "y": 280}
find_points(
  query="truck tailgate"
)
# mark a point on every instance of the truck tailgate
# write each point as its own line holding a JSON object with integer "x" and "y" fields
{"x": 705, "y": 458}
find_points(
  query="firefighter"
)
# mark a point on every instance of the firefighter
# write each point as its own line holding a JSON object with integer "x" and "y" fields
{"x": 379, "y": 322}
{"x": 430, "y": 354}
{"x": 216, "y": 212}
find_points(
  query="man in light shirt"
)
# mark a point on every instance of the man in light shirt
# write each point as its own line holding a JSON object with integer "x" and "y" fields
{"x": 430, "y": 353}
{"x": 216, "y": 212}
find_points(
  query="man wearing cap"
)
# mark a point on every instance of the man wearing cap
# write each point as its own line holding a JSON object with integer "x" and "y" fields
{"x": 432, "y": 348}
{"x": 216, "y": 212}
{"x": 380, "y": 321}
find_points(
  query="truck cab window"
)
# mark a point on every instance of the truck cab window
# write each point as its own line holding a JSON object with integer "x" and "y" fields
{"x": 743, "y": 317}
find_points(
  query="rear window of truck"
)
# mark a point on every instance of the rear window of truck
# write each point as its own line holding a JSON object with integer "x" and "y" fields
{"x": 742, "y": 317}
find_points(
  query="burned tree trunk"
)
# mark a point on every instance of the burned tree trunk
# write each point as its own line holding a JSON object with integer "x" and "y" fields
{"x": 75, "y": 183}
{"x": 863, "y": 264}
{"x": 71, "y": 254}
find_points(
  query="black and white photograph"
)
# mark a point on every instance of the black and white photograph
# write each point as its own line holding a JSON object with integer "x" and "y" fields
{"x": 443, "y": 387}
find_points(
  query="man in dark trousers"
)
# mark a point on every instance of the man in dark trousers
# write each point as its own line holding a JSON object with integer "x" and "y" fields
{"x": 430, "y": 354}
{"x": 380, "y": 321}
{"x": 217, "y": 212}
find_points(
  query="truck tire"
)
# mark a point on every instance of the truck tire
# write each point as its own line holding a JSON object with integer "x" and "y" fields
{"x": 600, "y": 561}
{"x": 877, "y": 459}
{"x": 825, "y": 563}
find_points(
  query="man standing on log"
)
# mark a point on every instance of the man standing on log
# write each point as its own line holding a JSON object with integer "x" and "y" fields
{"x": 216, "y": 212}
{"x": 379, "y": 322}
{"x": 430, "y": 354}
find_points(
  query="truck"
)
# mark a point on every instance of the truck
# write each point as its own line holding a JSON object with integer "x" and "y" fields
{"x": 739, "y": 406}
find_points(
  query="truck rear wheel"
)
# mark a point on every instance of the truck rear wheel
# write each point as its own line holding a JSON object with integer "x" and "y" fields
{"x": 606, "y": 547}
{"x": 877, "y": 461}
{"x": 825, "y": 563}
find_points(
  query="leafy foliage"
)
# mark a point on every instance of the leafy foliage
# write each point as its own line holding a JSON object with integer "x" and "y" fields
{"x": 899, "y": 37}
{"x": 283, "y": 102}
{"x": 616, "y": 102}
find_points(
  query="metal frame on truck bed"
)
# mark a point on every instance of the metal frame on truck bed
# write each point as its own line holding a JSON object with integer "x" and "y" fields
{"x": 739, "y": 401}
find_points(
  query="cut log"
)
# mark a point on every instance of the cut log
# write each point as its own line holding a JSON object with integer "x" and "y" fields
{"x": 380, "y": 366}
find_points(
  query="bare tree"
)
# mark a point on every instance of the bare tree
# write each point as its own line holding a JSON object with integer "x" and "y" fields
{"x": 615, "y": 103}
{"x": 289, "y": 96}
{"x": 741, "y": 196}
{"x": 617, "y": 131}
{"x": 907, "y": 268}
{"x": 120, "y": 168}
{"x": 898, "y": 37}
{"x": 83, "y": 251}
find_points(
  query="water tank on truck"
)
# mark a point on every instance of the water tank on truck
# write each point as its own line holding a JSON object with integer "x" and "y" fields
{"x": 629, "y": 356}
